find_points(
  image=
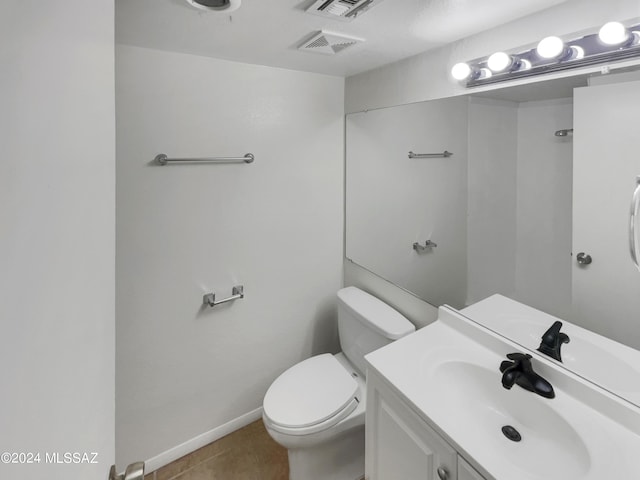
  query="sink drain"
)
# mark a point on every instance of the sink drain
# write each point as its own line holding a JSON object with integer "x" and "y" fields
{"x": 511, "y": 433}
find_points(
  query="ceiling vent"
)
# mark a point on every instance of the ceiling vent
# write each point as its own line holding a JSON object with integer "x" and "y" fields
{"x": 215, "y": 5}
{"x": 345, "y": 10}
{"x": 328, "y": 43}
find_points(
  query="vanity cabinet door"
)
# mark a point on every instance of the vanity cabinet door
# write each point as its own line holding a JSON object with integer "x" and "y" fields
{"x": 466, "y": 471}
{"x": 400, "y": 445}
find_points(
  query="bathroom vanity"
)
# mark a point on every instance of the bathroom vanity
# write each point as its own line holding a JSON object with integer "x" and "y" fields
{"x": 437, "y": 409}
{"x": 401, "y": 444}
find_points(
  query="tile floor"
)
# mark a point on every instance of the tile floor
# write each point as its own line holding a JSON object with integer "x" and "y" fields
{"x": 246, "y": 454}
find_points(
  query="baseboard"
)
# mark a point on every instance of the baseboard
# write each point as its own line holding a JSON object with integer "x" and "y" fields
{"x": 206, "y": 438}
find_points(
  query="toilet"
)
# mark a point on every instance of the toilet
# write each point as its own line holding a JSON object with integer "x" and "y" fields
{"x": 316, "y": 409}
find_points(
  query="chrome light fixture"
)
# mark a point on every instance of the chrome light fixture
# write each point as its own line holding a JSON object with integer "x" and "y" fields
{"x": 612, "y": 42}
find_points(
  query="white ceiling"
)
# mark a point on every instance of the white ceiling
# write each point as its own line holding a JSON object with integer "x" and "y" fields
{"x": 268, "y": 32}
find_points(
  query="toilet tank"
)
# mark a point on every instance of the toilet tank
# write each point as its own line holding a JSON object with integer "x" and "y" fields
{"x": 366, "y": 323}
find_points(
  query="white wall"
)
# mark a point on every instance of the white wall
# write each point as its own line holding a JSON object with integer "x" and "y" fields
{"x": 493, "y": 165}
{"x": 57, "y": 206}
{"x": 543, "y": 263}
{"x": 394, "y": 201}
{"x": 275, "y": 226}
{"x": 426, "y": 76}
{"x": 520, "y": 177}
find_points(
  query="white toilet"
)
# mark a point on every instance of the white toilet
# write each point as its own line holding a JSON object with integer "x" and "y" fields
{"x": 316, "y": 408}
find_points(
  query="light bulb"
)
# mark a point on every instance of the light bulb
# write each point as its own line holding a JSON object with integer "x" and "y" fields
{"x": 484, "y": 73}
{"x": 461, "y": 71}
{"x": 576, "y": 52}
{"x": 523, "y": 65}
{"x": 499, "y": 61}
{"x": 550, "y": 47}
{"x": 613, "y": 33}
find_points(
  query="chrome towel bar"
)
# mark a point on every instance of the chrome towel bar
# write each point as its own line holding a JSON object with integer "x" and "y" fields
{"x": 162, "y": 159}
{"x": 209, "y": 299}
{"x": 430, "y": 155}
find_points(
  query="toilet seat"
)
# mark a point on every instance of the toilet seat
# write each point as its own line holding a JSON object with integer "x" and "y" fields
{"x": 311, "y": 396}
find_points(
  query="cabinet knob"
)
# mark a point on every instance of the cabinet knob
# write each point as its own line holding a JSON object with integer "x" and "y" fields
{"x": 583, "y": 259}
{"x": 443, "y": 474}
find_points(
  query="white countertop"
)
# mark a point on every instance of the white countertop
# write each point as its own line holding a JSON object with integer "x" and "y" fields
{"x": 448, "y": 372}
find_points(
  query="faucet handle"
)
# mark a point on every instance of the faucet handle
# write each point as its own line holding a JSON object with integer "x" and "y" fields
{"x": 519, "y": 361}
{"x": 519, "y": 358}
{"x": 549, "y": 337}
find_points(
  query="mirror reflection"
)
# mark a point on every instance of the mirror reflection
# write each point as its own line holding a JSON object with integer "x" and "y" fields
{"x": 394, "y": 201}
{"x": 533, "y": 204}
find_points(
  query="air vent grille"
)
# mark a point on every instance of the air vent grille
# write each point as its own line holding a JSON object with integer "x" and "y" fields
{"x": 328, "y": 43}
{"x": 318, "y": 43}
{"x": 345, "y": 10}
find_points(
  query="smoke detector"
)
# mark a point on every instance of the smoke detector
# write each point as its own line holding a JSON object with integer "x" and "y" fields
{"x": 345, "y": 10}
{"x": 328, "y": 43}
{"x": 215, "y": 5}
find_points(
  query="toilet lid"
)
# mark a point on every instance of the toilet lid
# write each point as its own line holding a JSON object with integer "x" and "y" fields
{"x": 310, "y": 392}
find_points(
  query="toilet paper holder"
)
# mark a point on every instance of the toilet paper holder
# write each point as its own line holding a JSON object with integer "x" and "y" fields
{"x": 427, "y": 246}
{"x": 209, "y": 299}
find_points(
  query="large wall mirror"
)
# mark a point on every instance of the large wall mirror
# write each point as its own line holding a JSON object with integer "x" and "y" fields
{"x": 502, "y": 191}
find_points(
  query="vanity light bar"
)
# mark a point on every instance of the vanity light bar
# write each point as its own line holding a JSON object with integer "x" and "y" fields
{"x": 613, "y": 42}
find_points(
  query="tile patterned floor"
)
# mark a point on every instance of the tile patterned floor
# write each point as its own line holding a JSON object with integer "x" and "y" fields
{"x": 246, "y": 454}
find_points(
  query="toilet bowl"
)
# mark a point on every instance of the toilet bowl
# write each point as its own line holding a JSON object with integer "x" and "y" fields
{"x": 316, "y": 409}
{"x": 317, "y": 414}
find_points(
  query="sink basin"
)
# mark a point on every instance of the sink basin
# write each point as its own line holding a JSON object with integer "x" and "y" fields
{"x": 596, "y": 358}
{"x": 549, "y": 446}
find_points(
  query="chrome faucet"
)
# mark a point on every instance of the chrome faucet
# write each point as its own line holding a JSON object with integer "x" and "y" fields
{"x": 520, "y": 371}
{"x": 552, "y": 340}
